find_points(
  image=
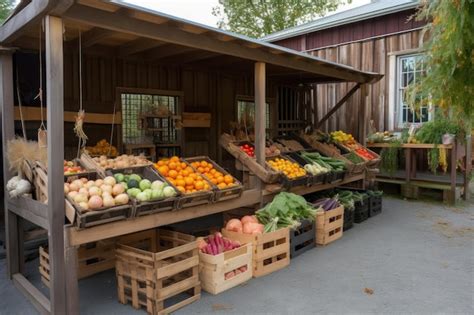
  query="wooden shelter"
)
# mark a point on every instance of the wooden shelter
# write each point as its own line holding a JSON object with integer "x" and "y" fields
{"x": 128, "y": 48}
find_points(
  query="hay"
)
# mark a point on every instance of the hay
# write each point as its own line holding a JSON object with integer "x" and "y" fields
{"x": 20, "y": 150}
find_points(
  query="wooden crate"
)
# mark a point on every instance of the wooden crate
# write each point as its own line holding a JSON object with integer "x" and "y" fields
{"x": 160, "y": 273}
{"x": 40, "y": 182}
{"x": 95, "y": 257}
{"x": 212, "y": 269}
{"x": 329, "y": 225}
{"x": 271, "y": 251}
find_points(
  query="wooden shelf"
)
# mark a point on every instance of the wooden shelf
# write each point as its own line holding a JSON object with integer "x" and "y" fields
{"x": 77, "y": 237}
{"x": 411, "y": 146}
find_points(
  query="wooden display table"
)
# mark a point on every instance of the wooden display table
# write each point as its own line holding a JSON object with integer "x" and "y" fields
{"x": 411, "y": 177}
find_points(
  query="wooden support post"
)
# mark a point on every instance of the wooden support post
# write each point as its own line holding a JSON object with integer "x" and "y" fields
{"x": 8, "y": 132}
{"x": 260, "y": 114}
{"x": 453, "y": 164}
{"x": 363, "y": 119}
{"x": 72, "y": 287}
{"x": 468, "y": 163}
{"x": 55, "y": 114}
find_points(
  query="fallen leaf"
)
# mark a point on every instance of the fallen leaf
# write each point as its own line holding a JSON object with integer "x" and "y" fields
{"x": 369, "y": 291}
{"x": 221, "y": 307}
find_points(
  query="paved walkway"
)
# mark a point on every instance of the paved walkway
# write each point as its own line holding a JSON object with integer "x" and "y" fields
{"x": 415, "y": 257}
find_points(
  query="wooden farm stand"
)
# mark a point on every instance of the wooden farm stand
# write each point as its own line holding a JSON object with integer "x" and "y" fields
{"x": 123, "y": 34}
{"x": 411, "y": 181}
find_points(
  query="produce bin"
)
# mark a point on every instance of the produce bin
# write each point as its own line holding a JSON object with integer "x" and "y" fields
{"x": 212, "y": 269}
{"x": 271, "y": 251}
{"x": 289, "y": 182}
{"x": 312, "y": 179}
{"x": 162, "y": 276}
{"x": 219, "y": 194}
{"x": 361, "y": 211}
{"x": 95, "y": 257}
{"x": 302, "y": 239}
{"x": 375, "y": 205}
{"x": 148, "y": 207}
{"x": 329, "y": 225}
{"x": 348, "y": 219}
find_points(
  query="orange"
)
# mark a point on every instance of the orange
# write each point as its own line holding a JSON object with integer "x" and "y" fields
{"x": 172, "y": 165}
{"x": 207, "y": 169}
{"x": 193, "y": 190}
{"x": 172, "y": 181}
{"x": 184, "y": 173}
{"x": 199, "y": 185}
{"x": 189, "y": 187}
{"x": 220, "y": 180}
{"x": 213, "y": 171}
{"x": 214, "y": 181}
{"x": 206, "y": 186}
{"x": 210, "y": 165}
{"x": 181, "y": 189}
{"x": 183, "y": 165}
{"x": 203, "y": 163}
{"x": 200, "y": 170}
{"x": 189, "y": 169}
{"x": 179, "y": 177}
{"x": 163, "y": 170}
{"x": 160, "y": 163}
{"x": 193, "y": 175}
{"x": 172, "y": 174}
{"x": 180, "y": 182}
{"x": 228, "y": 179}
{"x": 222, "y": 185}
{"x": 174, "y": 159}
{"x": 189, "y": 180}
{"x": 195, "y": 164}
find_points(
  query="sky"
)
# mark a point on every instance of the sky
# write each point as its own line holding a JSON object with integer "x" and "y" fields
{"x": 201, "y": 10}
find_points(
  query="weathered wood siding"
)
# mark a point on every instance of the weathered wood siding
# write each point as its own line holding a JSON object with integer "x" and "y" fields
{"x": 369, "y": 55}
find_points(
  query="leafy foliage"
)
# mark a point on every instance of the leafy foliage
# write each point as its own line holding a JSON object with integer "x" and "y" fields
{"x": 449, "y": 81}
{"x": 5, "y": 8}
{"x": 389, "y": 157}
{"x": 257, "y": 18}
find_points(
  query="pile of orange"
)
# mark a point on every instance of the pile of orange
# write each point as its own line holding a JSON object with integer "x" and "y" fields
{"x": 219, "y": 179}
{"x": 181, "y": 175}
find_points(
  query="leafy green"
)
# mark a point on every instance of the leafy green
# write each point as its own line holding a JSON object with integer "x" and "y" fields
{"x": 285, "y": 210}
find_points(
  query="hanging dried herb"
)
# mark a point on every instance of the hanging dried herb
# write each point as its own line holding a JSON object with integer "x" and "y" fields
{"x": 389, "y": 157}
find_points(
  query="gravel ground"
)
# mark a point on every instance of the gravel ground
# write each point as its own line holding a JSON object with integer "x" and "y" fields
{"x": 416, "y": 257}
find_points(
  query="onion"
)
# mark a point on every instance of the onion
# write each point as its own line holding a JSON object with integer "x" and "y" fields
{"x": 66, "y": 188}
{"x": 118, "y": 189}
{"x": 110, "y": 180}
{"x": 253, "y": 228}
{"x": 95, "y": 191}
{"x": 99, "y": 182}
{"x": 89, "y": 184}
{"x": 106, "y": 188}
{"x": 95, "y": 202}
{"x": 84, "y": 205}
{"x": 78, "y": 183}
{"x": 74, "y": 187}
{"x": 234, "y": 225}
{"x": 249, "y": 218}
{"x": 80, "y": 198}
{"x": 84, "y": 191}
{"x": 72, "y": 194}
{"x": 121, "y": 199}
{"x": 84, "y": 180}
{"x": 109, "y": 201}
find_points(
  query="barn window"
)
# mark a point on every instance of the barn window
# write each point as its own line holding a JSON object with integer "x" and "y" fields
{"x": 246, "y": 113}
{"x": 147, "y": 118}
{"x": 410, "y": 69}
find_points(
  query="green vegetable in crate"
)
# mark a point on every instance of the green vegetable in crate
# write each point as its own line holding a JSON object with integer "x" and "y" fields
{"x": 354, "y": 158}
{"x": 132, "y": 183}
{"x": 285, "y": 210}
{"x": 316, "y": 169}
{"x": 326, "y": 162}
{"x": 145, "y": 190}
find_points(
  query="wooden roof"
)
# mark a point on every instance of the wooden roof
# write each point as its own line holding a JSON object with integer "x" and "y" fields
{"x": 128, "y": 31}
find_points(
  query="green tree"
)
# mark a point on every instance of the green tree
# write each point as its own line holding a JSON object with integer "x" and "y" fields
{"x": 5, "y": 8}
{"x": 449, "y": 80}
{"x": 257, "y": 18}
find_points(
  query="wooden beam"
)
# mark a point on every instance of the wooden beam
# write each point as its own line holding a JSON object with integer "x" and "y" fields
{"x": 363, "y": 118}
{"x": 34, "y": 114}
{"x": 8, "y": 133}
{"x": 94, "y": 36}
{"x": 31, "y": 210}
{"x": 339, "y": 104}
{"x": 99, "y": 5}
{"x": 35, "y": 296}
{"x": 189, "y": 57}
{"x": 192, "y": 29}
{"x": 260, "y": 115}
{"x": 55, "y": 126}
{"x": 172, "y": 34}
{"x": 166, "y": 51}
{"x": 137, "y": 46}
{"x": 147, "y": 17}
{"x": 78, "y": 237}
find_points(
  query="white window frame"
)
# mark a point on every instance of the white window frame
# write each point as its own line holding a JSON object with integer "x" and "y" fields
{"x": 395, "y": 77}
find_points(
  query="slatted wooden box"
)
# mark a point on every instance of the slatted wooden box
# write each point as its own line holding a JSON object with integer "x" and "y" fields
{"x": 95, "y": 257}
{"x": 302, "y": 238}
{"x": 271, "y": 251}
{"x": 329, "y": 225}
{"x": 162, "y": 276}
{"x": 212, "y": 269}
